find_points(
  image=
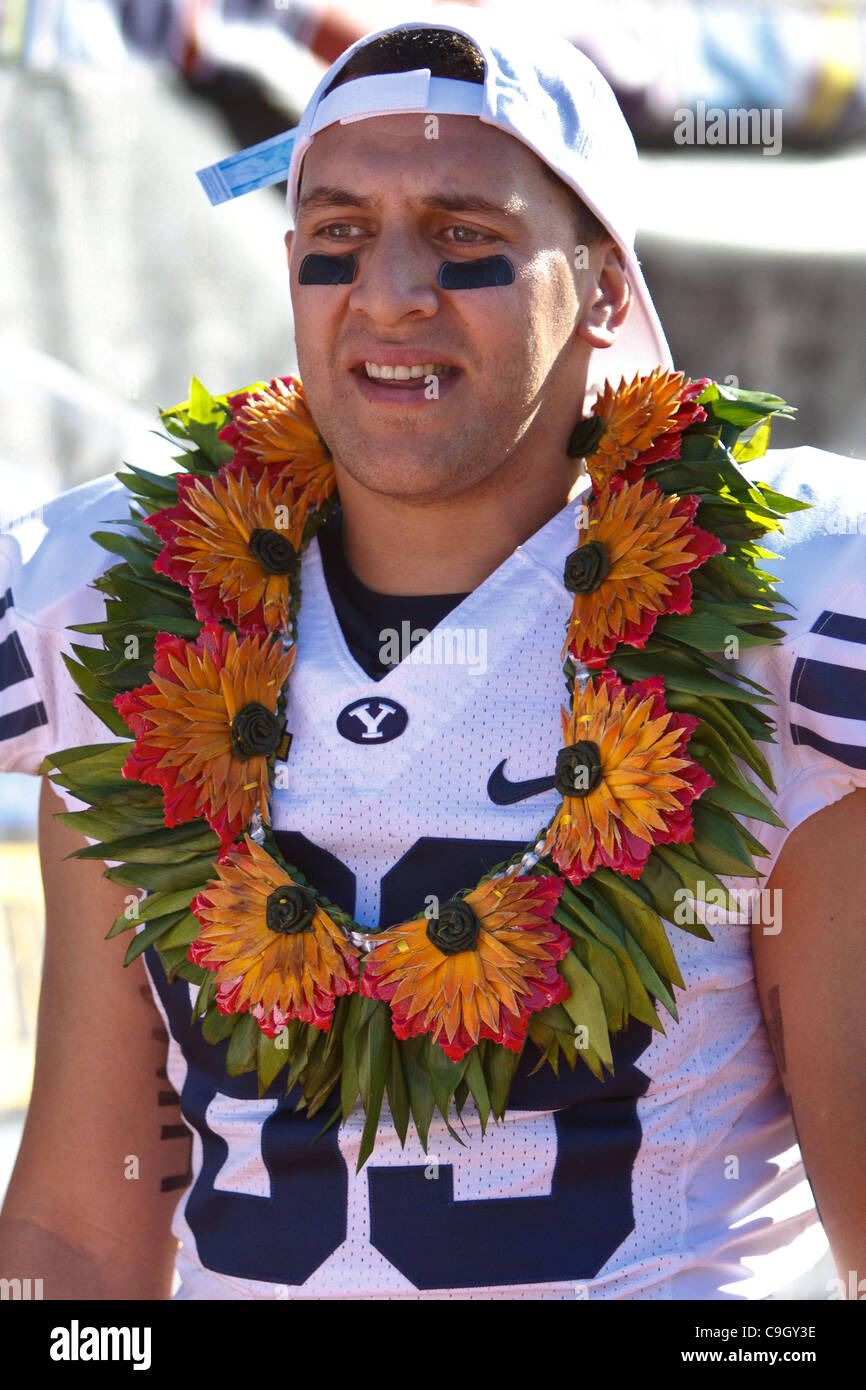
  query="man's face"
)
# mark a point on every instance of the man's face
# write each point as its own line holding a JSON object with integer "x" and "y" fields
{"x": 517, "y": 354}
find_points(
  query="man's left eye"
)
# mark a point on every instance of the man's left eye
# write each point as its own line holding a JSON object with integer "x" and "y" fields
{"x": 473, "y": 233}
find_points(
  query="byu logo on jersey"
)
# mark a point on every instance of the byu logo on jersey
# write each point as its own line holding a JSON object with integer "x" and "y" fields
{"x": 372, "y": 721}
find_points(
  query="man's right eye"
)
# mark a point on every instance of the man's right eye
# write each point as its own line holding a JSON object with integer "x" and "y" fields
{"x": 347, "y": 227}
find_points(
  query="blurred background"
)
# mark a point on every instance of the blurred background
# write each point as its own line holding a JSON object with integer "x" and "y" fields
{"x": 118, "y": 280}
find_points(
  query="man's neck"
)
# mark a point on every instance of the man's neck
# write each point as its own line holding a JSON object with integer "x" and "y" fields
{"x": 450, "y": 545}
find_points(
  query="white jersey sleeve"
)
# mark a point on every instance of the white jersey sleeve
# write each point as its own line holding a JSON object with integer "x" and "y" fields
{"x": 47, "y": 566}
{"x": 817, "y": 674}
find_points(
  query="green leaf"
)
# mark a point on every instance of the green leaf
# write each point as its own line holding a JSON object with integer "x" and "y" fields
{"x": 602, "y": 964}
{"x": 97, "y": 824}
{"x": 375, "y": 1062}
{"x": 693, "y": 876}
{"x": 780, "y": 502}
{"x": 743, "y": 745}
{"x": 320, "y": 1086}
{"x": 755, "y": 446}
{"x": 93, "y": 760}
{"x": 398, "y": 1095}
{"x": 664, "y": 883}
{"x": 175, "y": 626}
{"x": 182, "y": 934}
{"x": 419, "y": 1087}
{"x": 500, "y": 1065}
{"x": 216, "y": 1026}
{"x": 88, "y": 683}
{"x": 203, "y": 408}
{"x": 584, "y": 1006}
{"x": 150, "y": 486}
{"x": 744, "y": 408}
{"x": 189, "y": 873}
{"x": 350, "y": 1085}
{"x": 642, "y": 922}
{"x": 477, "y": 1083}
{"x": 205, "y": 996}
{"x": 301, "y": 1044}
{"x": 680, "y": 673}
{"x": 604, "y": 925}
{"x": 134, "y": 551}
{"x": 742, "y": 613}
{"x": 706, "y": 631}
{"x": 723, "y": 729}
{"x": 152, "y": 846}
{"x": 751, "y": 804}
{"x": 153, "y": 906}
{"x": 270, "y": 1061}
{"x": 650, "y": 979}
{"x": 174, "y": 961}
{"x": 152, "y": 932}
{"x": 243, "y": 1047}
{"x": 445, "y": 1076}
{"x": 717, "y": 845}
{"x": 195, "y": 974}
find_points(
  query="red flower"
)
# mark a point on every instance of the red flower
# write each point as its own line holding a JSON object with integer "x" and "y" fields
{"x": 234, "y": 544}
{"x": 478, "y": 969}
{"x": 273, "y": 425}
{"x": 642, "y": 423}
{"x": 274, "y": 950}
{"x": 206, "y": 726}
{"x": 626, "y": 778}
{"x": 648, "y": 545}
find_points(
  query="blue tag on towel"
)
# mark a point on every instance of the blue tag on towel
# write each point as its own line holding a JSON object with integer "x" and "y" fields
{"x": 258, "y": 166}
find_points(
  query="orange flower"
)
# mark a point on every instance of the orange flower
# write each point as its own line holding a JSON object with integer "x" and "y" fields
{"x": 641, "y": 420}
{"x": 625, "y": 777}
{"x": 275, "y": 951}
{"x": 205, "y": 728}
{"x": 234, "y": 543}
{"x": 477, "y": 970}
{"x": 272, "y": 424}
{"x": 631, "y": 566}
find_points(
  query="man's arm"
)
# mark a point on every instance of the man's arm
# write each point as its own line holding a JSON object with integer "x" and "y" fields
{"x": 812, "y": 984}
{"x": 90, "y": 1201}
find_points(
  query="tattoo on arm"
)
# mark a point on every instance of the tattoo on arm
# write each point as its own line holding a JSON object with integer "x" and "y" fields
{"x": 774, "y": 1027}
{"x": 165, "y": 1096}
{"x": 777, "y": 1040}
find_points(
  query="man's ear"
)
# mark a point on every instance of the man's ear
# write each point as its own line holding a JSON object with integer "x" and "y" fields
{"x": 288, "y": 240}
{"x": 609, "y": 299}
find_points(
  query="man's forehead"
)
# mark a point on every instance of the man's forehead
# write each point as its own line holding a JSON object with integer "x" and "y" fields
{"x": 451, "y": 198}
{"x": 456, "y": 161}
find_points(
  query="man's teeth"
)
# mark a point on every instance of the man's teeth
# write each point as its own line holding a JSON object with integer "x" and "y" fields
{"x": 405, "y": 373}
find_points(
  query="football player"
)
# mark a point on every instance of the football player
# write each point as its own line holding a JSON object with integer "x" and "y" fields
{"x": 475, "y": 185}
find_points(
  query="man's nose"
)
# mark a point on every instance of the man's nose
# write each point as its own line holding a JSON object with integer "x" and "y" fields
{"x": 395, "y": 277}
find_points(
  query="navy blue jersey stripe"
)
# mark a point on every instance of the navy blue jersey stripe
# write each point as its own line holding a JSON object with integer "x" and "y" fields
{"x": 842, "y": 625}
{"x": 836, "y": 690}
{"x": 21, "y": 720}
{"x": 14, "y": 666}
{"x": 5, "y": 602}
{"x": 848, "y": 753}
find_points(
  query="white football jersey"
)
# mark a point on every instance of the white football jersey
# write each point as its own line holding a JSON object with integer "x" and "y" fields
{"x": 680, "y": 1178}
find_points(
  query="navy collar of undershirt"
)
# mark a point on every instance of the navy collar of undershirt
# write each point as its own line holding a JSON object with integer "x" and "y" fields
{"x": 364, "y": 614}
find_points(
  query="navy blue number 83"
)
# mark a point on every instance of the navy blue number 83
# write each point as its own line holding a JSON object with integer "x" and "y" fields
{"x": 295, "y": 1216}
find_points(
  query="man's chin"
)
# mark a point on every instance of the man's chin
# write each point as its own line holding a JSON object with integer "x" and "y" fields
{"x": 403, "y": 475}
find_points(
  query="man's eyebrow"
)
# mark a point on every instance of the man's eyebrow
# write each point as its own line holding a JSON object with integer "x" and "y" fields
{"x": 329, "y": 195}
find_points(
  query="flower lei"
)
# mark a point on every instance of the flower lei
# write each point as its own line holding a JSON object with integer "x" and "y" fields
{"x": 564, "y": 943}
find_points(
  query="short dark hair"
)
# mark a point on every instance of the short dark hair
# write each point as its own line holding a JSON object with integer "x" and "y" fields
{"x": 447, "y": 54}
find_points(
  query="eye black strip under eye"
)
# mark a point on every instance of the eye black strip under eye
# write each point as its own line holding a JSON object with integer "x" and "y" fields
{"x": 327, "y": 270}
{"x": 476, "y": 275}
{"x": 486, "y": 273}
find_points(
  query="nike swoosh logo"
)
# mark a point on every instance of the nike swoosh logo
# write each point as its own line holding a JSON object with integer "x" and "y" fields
{"x": 505, "y": 793}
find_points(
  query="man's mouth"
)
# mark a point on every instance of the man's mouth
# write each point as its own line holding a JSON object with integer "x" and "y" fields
{"x": 381, "y": 380}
